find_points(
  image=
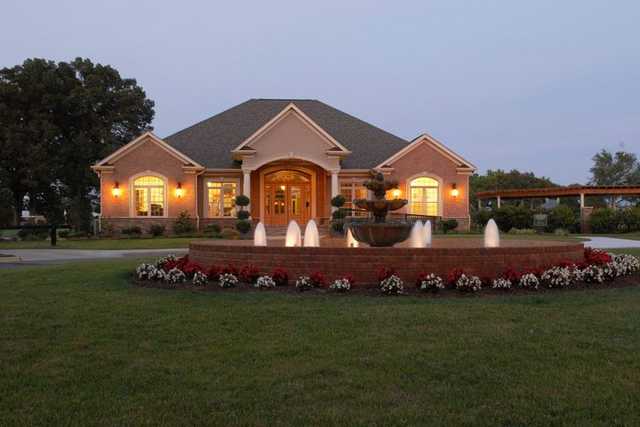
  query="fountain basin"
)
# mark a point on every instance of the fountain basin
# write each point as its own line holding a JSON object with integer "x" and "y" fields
{"x": 381, "y": 234}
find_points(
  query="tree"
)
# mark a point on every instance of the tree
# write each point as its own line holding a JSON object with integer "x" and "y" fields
{"x": 621, "y": 168}
{"x": 57, "y": 119}
{"x": 500, "y": 180}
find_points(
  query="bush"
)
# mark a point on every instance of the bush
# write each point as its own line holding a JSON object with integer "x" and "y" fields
{"x": 133, "y": 231}
{"x": 392, "y": 285}
{"x": 242, "y": 201}
{"x": 230, "y": 233}
{"x": 603, "y": 221}
{"x": 157, "y": 230}
{"x": 63, "y": 234}
{"x": 481, "y": 217}
{"x": 338, "y": 214}
{"x": 627, "y": 220}
{"x": 249, "y": 274}
{"x": 448, "y": 225}
{"x": 265, "y": 282}
{"x": 212, "y": 229}
{"x": 562, "y": 216}
{"x": 337, "y": 226}
{"x": 280, "y": 277}
{"x": 338, "y": 201}
{"x": 243, "y": 215}
{"x": 243, "y": 226}
{"x": 183, "y": 224}
{"x": 33, "y": 234}
{"x": 508, "y": 217}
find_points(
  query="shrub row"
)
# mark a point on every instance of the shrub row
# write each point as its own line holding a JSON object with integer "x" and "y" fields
{"x": 521, "y": 217}
{"x": 606, "y": 220}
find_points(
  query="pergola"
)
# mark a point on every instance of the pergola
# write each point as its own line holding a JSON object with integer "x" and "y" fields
{"x": 555, "y": 192}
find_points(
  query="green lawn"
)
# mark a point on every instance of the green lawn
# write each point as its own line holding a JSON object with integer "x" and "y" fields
{"x": 80, "y": 345}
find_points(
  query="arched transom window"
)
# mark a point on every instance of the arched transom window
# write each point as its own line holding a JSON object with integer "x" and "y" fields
{"x": 424, "y": 193}
{"x": 149, "y": 192}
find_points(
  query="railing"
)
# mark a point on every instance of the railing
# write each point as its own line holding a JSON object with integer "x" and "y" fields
{"x": 53, "y": 229}
{"x": 398, "y": 216}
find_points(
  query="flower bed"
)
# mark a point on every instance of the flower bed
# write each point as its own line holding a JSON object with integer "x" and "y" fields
{"x": 598, "y": 269}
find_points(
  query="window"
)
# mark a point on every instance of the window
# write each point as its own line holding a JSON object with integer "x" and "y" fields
{"x": 149, "y": 195}
{"x": 221, "y": 199}
{"x": 424, "y": 196}
{"x": 352, "y": 190}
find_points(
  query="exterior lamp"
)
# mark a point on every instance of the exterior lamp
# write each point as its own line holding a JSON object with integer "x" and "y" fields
{"x": 116, "y": 191}
{"x": 454, "y": 191}
{"x": 179, "y": 191}
{"x": 396, "y": 193}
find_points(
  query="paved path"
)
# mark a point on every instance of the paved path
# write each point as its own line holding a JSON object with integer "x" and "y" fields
{"x": 597, "y": 242}
{"x": 57, "y": 256}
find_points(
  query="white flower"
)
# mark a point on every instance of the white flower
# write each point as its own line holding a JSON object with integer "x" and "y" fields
{"x": 501, "y": 283}
{"x": 265, "y": 282}
{"x": 340, "y": 285}
{"x": 529, "y": 281}
{"x": 626, "y": 264}
{"x": 160, "y": 262}
{"x": 227, "y": 280}
{"x": 468, "y": 283}
{"x": 175, "y": 276}
{"x": 200, "y": 279}
{"x": 593, "y": 274}
{"x": 146, "y": 271}
{"x": 303, "y": 283}
{"x": 431, "y": 282}
{"x": 392, "y": 285}
{"x": 557, "y": 277}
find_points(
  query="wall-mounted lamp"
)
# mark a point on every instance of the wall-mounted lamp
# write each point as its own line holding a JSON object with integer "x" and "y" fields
{"x": 454, "y": 190}
{"x": 396, "y": 193}
{"x": 116, "y": 191}
{"x": 179, "y": 191}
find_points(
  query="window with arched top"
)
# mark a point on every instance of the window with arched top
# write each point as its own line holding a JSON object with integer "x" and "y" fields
{"x": 149, "y": 196}
{"x": 424, "y": 196}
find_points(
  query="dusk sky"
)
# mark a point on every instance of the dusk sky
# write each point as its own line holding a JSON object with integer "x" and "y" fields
{"x": 534, "y": 85}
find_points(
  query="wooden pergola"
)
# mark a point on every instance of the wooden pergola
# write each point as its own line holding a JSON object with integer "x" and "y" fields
{"x": 555, "y": 192}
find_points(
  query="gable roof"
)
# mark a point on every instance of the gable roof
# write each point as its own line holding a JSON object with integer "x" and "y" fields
{"x": 459, "y": 161}
{"x": 212, "y": 141}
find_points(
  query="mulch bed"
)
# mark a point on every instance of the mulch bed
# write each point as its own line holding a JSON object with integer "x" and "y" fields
{"x": 409, "y": 290}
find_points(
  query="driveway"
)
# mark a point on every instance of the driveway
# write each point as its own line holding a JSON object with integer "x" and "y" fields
{"x": 597, "y": 242}
{"x": 58, "y": 256}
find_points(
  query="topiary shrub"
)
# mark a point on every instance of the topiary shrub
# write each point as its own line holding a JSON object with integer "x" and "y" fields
{"x": 242, "y": 201}
{"x": 157, "y": 230}
{"x": 243, "y": 226}
{"x": 338, "y": 201}
{"x": 448, "y": 225}
{"x": 243, "y": 215}
{"x": 183, "y": 224}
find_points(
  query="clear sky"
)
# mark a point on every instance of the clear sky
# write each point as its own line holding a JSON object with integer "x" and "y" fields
{"x": 534, "y": 85}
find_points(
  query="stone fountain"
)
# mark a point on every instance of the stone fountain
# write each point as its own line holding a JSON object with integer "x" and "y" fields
{"x": 380, "y": 232}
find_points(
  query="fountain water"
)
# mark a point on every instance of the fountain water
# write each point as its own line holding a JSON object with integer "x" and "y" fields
{"x": 260, "y": 235}
{"x": 293, "y": 236}
{"x": 351, "y": 242}
{"x": 416, "y": 238}
{"x": 426, "y": 234}
{"x": 311, "y": 235}
{"x": 491, "y": 235}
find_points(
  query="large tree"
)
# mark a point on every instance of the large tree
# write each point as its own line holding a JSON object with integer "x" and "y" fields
{"x": 621, "y": 168}
{"x": 56, "y": 119}
{"x": 500, "y": 180}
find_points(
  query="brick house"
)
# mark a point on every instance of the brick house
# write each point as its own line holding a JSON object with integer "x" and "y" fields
{"x": 289, "y": 156}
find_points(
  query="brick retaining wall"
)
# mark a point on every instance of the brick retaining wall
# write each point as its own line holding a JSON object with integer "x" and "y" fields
{"x": 363, "y": 262}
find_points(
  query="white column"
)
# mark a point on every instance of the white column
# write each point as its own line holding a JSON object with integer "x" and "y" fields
{"x": 246, "y": 185}
{"x": 335, "y": 188}
{"x": 499, "y": 204}
{"x": 581, "y": 200}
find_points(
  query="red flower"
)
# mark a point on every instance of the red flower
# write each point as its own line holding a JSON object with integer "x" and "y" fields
{"x": 230, "y": 269}
{"x": 190, "y": 268}
{"x": 349, "y": 278}
{"x": 384, "y": 273}
{"x": 280, "y": 276}
{"x": 596, "y": 257}
{"x": 214, "y": 272}
{"x": 317, "y": 279}
{"x": 249, "y": 274}
{"x": 453, "y": 276}
{"x": 512, "y": 275}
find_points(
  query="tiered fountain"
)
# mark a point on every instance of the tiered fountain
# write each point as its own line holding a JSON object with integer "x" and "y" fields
{"x": 380, "y": 232}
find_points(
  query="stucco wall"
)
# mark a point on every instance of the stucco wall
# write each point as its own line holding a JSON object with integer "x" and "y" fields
{"x": 424, "y": 160}
{"x": 148, "y": 156}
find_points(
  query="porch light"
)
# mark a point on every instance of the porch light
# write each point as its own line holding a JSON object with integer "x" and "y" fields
{"x": 454, "y": 190}
{"x": 179, "y": 191}
{"x": 116, "y": 191}
{"x": 396, "y": 193}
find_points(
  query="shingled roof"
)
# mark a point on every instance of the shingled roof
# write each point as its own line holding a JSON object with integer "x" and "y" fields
{"x": 211, "y": 141}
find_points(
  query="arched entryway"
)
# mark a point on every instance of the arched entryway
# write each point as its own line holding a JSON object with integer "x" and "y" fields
{"x": 287, "y": 195}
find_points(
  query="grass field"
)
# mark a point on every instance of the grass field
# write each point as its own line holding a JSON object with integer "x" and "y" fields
{"x": 80, "y": 345}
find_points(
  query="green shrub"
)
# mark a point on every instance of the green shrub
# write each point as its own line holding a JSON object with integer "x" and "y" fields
{"x": 229, "y": 233}
{"x": 183, "y": 224}
{"x": 511, "y": 216}
{"x": 243, "y": 226}
{"x": 448, "y": 225}
{"x": 242, "y": 201}
{"x": 33, "y": 233}
{"x": 243, "y": 214}
{"x": 628, "y": 219}
{"x": 337, "y": 225}
{"x": 338, "y": 201}
{"x": 157, "y": 230}
{"x": 63, "y": 234}
{"x": 133, "y": 231}
{"x": 481, "y": 217}
{"x": 212, "y": 229}
{"x": 522, "y": 231}
{"x": 562, "y": 216}
{"x": 603, "y": 221}
{"x": 338, "y": 214}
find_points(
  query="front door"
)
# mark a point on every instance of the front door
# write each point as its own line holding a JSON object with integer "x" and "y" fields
{"x": 287, "y": 196}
